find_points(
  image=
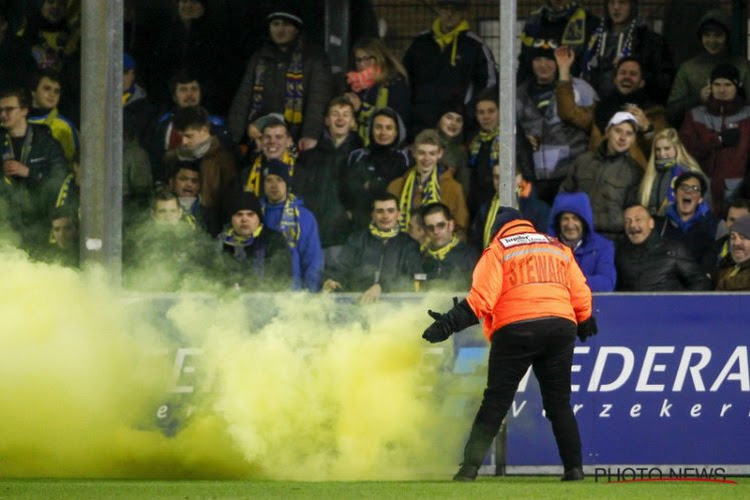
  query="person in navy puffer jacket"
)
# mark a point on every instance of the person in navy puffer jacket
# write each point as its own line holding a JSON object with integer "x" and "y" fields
{"x": 572, "y": 221}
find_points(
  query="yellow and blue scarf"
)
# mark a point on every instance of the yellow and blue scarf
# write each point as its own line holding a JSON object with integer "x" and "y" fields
{"x": 256, "y": 172}
{"x": 430, "y": 194}
{"x": 476, "y": 144}
{"x": 491, "y": 215}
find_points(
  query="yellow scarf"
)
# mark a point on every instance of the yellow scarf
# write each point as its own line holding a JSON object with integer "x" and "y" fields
{"x": 441, "y": 253}
{"x": 384, "y": 235}
{"x": 236, "y": 240}
{"x": 491, "y": 214}
{"x": 430, "y": 194}
{"x": 450, "y": 38}
{"x": 256, "y": 172}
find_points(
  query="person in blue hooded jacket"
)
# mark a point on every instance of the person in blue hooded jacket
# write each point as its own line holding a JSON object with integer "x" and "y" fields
{"x": 572, "y": 221}
{"x": 285, "y": 213}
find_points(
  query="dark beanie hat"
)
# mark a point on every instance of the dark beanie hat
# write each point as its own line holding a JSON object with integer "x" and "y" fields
{"x": 504, "y": 216}
{"x": 276, "y": 167}
{"x": 287, "y": 12}
{"x": 453, "y": 104}
{"x": 728, "y": 71}
{"x": 244, "y": 200}
{"x": 741, "y": 226}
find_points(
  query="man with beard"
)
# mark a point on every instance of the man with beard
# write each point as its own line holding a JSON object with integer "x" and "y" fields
{"x": 447, "y": 261}
{"x": 646, "y": 262}
{"x": 689, "y": 219}
{"x": 609, "y": 176}
{"x": 218, "y": 166}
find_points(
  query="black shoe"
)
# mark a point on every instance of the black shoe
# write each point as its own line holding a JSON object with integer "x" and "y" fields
{"x": 466, "y": 473}
{"x": 574, "y": 474}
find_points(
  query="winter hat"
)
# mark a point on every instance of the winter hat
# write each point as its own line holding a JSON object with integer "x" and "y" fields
{"x": 128, "y": 62}
{"x": 504, "y": 216}
{"x": 244, "y": 200}
{"x": 741, "y": 226}
{"x": 287, "y": 12}
{"x": 453, "y": 105}
{"x": 277, "y": 167}
{"x": 622, "y": 117}
{"x": 728, "y": 71}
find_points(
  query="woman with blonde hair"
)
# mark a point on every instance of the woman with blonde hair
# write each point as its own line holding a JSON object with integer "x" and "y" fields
{"x": 378, "y": 81}
{"x": 668, "y": 160}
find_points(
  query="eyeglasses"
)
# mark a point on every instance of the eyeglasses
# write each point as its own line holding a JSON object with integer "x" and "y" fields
{"x": 687, "y": 188}
{"x": 8, "y": 109}
{"x": 364, "y": 59}
{"x": 431, "y": 227}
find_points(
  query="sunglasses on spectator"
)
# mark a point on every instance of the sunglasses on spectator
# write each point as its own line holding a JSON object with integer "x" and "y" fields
{"x": 364, "y": 59}
{"x": 687, "y": 188}
{"x": 431, "y": 227}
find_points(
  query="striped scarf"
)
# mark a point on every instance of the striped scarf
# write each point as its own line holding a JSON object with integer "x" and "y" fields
{"x": 450, "y": 38}
{"x": 476, "y": 144}
{"x": 367, "y": 110}
{"x": 490, "y": 222}
{"x": 430, "y": 194}
{"x": 293, "y": 89}
{"x": 384, "y": 235}
{"x": 289, "y": 224}
{"x": 624, "y": 45}
{"x": 256, "y": 172}
{"x": 62, "y": 195}
{"x": 440, "y": 253}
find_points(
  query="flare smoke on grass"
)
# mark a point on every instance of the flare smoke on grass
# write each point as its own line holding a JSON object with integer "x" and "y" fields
{"x": 298, "y": 397}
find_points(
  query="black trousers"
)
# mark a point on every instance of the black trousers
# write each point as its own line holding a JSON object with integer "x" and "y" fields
{"x": 546, "y": 345}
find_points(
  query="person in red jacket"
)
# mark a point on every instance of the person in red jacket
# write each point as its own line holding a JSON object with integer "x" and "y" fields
{"x": 533, "y": 298}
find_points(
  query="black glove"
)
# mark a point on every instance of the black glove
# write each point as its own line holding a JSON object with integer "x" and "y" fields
{"x": 729, "y": 137}
{"x": 587, "y": 328}
{"x": 459, "y": 317}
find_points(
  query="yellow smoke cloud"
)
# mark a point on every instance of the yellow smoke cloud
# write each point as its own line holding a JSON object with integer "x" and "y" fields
{"x": 293, "y": 386}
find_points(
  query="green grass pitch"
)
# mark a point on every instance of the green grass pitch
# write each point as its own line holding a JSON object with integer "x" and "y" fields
{"x": 512, "y": 487}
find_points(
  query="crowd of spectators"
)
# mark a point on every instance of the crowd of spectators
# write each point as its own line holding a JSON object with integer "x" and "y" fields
{"x": 274, "y": 173}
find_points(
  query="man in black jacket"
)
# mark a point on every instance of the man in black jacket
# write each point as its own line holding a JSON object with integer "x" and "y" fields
{"x": 33, "y": 167}
{"x": 448, "y": 60}
{"x": 648, "y": 263}
{"x": 447, "y": 261}
{"x": 378, "y": 259}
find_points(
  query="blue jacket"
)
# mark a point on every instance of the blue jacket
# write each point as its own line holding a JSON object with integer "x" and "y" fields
{"x": 595, "y": 254}
{"x": 307, "y": 254}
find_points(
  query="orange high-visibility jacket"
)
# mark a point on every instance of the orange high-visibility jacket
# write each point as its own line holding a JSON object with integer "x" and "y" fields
{"x": 525, "y": 275}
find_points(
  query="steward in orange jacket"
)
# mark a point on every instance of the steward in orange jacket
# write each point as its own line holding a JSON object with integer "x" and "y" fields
{"x": 533, "y": 298}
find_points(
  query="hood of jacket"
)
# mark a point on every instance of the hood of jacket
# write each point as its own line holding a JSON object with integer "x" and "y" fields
{"x": 575, "y": 203}
{"x": 719, "y": 17}
{"x": 393, "y": 114}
